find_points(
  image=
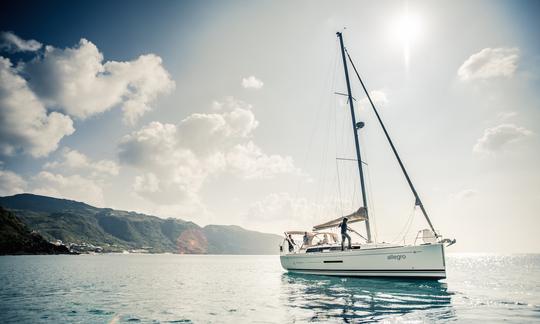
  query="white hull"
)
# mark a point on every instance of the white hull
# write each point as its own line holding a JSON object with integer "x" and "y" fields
{"x": 414, "y": 261}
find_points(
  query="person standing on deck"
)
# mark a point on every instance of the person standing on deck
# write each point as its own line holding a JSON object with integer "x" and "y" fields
{"x": 291, "y": 243}
{"x": 344, "y": 234}
{"x": 306, "y": 239}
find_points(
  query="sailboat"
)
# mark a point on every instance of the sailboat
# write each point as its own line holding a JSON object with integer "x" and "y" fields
{"x": 425, "y": 258}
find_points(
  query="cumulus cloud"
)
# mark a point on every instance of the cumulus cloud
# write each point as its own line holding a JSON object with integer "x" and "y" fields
{"x": 73, "y": 187}
{"x": 11, "y": 183}
{"x": 25, "y": 124}
{"x": 250, "y": 162}
{"x": 490, "y": 63}
{"x": 177, "y": 159}
{"x": 252, "y": 82}
{"x": 497, "y": 138}
{"x": 38, "y": 97}
{"x": 77, "y": 161}
{"x": 12, "y": 43}
{"x": 73, "y": 175}
{"x": 279, "y": 211}
{"x": 78, "y": 82}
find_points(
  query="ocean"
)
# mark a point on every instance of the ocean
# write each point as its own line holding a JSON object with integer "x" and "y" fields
{"x": 136, "y": 288}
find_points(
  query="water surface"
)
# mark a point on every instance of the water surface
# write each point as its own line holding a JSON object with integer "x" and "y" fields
{"x": 234, "y": 289}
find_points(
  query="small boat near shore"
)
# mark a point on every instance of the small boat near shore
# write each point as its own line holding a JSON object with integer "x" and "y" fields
{"x": 322, "y": 254}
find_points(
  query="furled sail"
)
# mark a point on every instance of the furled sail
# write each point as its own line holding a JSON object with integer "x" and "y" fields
{"x": 357, "y": 216}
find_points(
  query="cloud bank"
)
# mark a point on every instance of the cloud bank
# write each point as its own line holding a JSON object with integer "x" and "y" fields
{"x": 78, "y": 82}
{"x": 39, "y": 98}
{"x": 176, "y": 160}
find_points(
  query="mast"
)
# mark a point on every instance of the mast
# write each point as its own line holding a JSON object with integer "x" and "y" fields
{"x": 418, "y": 202}
{"x": 356, "y": 126}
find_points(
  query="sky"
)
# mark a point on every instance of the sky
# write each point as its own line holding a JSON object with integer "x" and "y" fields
{"x": 226, "y": 113}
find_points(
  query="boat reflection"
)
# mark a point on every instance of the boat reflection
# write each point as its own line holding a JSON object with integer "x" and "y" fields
{"x": 322, "y": 298}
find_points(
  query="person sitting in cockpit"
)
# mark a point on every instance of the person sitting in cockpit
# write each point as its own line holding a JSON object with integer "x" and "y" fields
{"x": 325, "y": 239}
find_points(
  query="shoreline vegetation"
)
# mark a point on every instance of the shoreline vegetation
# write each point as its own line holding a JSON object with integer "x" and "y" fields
{"x": 71, "y": 227}
{"x": 17, "y": 239}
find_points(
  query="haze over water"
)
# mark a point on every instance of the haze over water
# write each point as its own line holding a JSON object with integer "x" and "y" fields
{"x": 235, "y": 289}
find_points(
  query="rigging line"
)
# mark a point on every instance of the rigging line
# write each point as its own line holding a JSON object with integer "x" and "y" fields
{"x": 324, "y": 169}
{"x": 353, "y": 203}
{"x": 371, "y": 197}
{"x": 337, "y": 166}
{"x": 339, "y": 189}
{"x": 337, "y": 208}
{"x": 332, "y": 69}
{"x": 402, "y": 231}
{"x": 373, "y": 211}
{"x": 410, "y": 224}
{"x": 320, "y": 114}
{"x": 415, "y": 193}
{"x": 336, "y": 161}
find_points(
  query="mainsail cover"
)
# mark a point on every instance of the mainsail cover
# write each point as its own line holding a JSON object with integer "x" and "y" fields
{"x": 357, "y": 216}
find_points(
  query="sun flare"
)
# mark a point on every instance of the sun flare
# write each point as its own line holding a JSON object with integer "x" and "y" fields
{"x": 407, "y": 29}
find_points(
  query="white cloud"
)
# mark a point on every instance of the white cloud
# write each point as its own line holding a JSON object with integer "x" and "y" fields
{"x": 172, "y": 172}
{"x": 75, "y": 160}
{"x": 11, "y": 183}
{"x": 250, "y": 162}
{"x": 176, "y": 160}
{"x": 378, "y": 97}
{"x": 464, "y": 194}
{"x": 230, "y": 103}
{"x": 77, "y": 81}
{"x": 148, "y": 183}
{"x": 490, "y": 63}
{"x": 25, "y": 124}
{"x": 204, "y": 133}
{"x": 13, "y": 43}
{"x": 499, "y": 137}
{"x": 252, "y": 82}
{"x": 73, "y": 187}
{"x": 281, "y": 211}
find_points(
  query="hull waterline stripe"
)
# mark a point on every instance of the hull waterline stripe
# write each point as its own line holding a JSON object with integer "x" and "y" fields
{"x": 357, "y": 270}
{"x": 333, "y": 261}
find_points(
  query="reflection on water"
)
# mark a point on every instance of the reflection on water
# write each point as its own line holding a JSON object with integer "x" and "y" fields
{"x": 353, "y": 299}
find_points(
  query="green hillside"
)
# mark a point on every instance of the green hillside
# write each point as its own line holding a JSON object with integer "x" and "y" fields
{"x": 17, "y": 238}
{"x": 116, "y": 230}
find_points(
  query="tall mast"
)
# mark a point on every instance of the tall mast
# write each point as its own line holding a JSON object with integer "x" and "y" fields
{"x": 418, "y": 202}
{"x": 356, "y": 126}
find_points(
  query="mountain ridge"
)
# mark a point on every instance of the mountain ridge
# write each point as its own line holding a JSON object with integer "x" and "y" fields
{"x": 116, "y": 230}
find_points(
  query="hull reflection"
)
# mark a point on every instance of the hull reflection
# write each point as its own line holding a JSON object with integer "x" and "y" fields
{"x": 353, "y": 299}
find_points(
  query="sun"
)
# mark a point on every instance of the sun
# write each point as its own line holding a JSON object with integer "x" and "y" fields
{"x": 406, "y": 29}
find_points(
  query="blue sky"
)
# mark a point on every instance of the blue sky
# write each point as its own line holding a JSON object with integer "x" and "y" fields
{"x": 224, "y": 112}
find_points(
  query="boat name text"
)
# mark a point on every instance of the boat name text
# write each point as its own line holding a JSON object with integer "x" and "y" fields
{"x": 396, "y": 257}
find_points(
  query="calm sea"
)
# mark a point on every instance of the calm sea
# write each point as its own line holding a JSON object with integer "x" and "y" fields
{"x": 254, "y": 289}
